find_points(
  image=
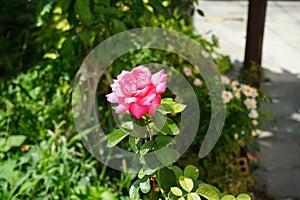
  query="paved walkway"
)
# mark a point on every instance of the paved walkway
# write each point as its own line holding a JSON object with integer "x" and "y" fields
{"x": 228, "y": 21}
{"x": 280, "y": 151}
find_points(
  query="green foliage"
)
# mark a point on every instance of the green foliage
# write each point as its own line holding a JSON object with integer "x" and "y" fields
{"x": 220, "y": 167}
{"x": 191, "y": 171}
{"x": 31, "y": 100}
{"x": 51, "y": 169}
{"x": 11, "y": 141}
{"x": 115, "y": 137}
{"x": 196, "y": 189}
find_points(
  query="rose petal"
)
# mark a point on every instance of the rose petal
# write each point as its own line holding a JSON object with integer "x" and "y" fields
{"x": 147, "y": 100}
{"x": 123, "y": 73}
{"x": 141, "y": 92}
{"x": 112, "y": 98}
{"x": 138, "y": 110}
{"x": 142, "y": 76}
{"x": 161, "y": 88}
{"x": 121, "y": 108}
{"x": 159, "y": 77}
{"x": 154, "y": 106}
{"x": 127, "y": 83}
{"x": 130, "y": 100}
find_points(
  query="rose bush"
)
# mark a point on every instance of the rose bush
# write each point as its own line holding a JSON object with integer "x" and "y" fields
{"x": 138, "y": 91}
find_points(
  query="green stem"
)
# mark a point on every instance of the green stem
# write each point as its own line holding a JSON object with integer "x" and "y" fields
{"x": 149, "y": 129}
{"x": 104, "y": 167}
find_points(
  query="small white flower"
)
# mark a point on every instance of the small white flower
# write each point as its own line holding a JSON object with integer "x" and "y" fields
{"x": 187, "y": 71}
{"x": 236, "y": 136}
{"x": 226, "y": 96}
{"x": 247, "y": 90}
{"x": 253, "y": 114}
{"x": 225, "y": 80}
{"x": 197, "y": 82}
{"x": 250, "y": 103}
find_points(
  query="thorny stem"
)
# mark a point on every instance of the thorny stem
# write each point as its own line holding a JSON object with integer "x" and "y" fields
{"x": 149, "y": 129}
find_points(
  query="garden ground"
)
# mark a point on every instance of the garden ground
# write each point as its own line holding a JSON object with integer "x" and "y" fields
{"x": 280, "y": 143}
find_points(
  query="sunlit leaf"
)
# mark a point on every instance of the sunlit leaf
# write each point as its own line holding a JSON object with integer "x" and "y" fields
{"x": 145, "y": 185}
{"x": 11, "y": 141}
{"x": 145, "y": 148}
{"x": 228, "y": 197}
{"x": 176, "y": 191}
{"x": 208, "y": 191}
{"x": 191, "y": 171}
{"x": 186, "y": 183}
{"x": 115, "y": 137}
{"x": 134, "y": 190}
{"x": 193, "y": 196}
{"x": 170, "y": 128}
{"x": 133, "y": 143}
{"x": 243, "y": 197}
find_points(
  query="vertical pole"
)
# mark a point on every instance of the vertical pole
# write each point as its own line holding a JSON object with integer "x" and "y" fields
{"x": 255, "y": 33}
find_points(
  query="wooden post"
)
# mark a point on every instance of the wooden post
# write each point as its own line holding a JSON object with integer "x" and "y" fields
{"x": 255, "y": 33}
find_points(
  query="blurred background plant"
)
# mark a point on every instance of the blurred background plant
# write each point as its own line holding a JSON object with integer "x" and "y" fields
{"x": 43, "y": 44}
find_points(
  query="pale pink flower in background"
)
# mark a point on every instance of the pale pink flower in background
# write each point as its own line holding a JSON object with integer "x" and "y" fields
{"x": 187, "y": 71}
{"x": 178, "y": 99}
{"x": 254, "y": 122}
{"x": 197, "y": 82}
{"x": 254, "y": 93}
{"x": 138, "y": 91}
{"x": 250, "y": 103}
{"x": 226, "y": 96}
{"x": 253, "y": 114}
{"x": 225, "y": 80}
{"x": 234, "y": 85}
{"x": 254, "y": 133}
{"x": 247, "y": 90}
{"x": 196, "y": 70}
{"x": 237, "y": 93}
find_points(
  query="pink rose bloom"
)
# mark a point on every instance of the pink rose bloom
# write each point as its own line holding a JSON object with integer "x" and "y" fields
{"x": 138, "y": 91}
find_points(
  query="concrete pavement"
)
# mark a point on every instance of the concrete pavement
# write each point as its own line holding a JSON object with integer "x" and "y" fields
{"x": 228, "y": 21}
{"x": 280, "y": 152}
